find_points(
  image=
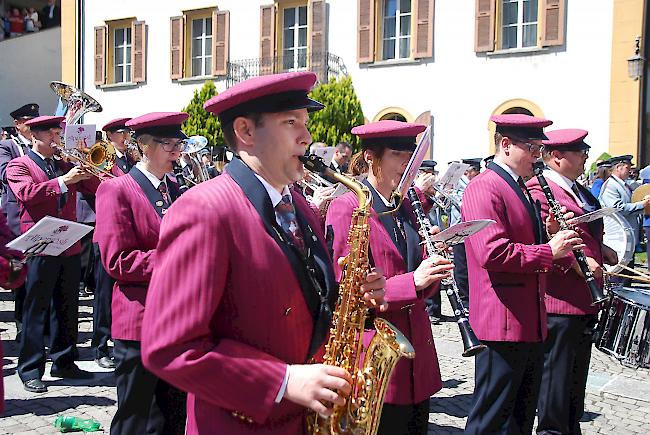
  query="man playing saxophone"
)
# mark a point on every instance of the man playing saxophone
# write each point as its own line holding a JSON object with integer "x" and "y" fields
{"x": 240, "y": 299}
{"x": 386, "y": 147}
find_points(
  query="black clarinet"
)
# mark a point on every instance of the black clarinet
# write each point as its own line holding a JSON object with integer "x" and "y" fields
{"x": 471, "y": 344}
{"x": 180, "y": 178}
{"x": 597, "y": 295}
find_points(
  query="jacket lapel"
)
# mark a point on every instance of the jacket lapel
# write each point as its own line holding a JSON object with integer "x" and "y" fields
{"x": 41, "y": 164}
{"x": 414, "y": 249}
{"x": 259, "y": 199}
{"x": 386, "y": 218}
{"x": 595, "y": 227}
{"x": 153, "y": 195}
{"x": 533, "y": 211}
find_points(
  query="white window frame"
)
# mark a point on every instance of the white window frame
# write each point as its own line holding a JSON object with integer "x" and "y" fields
{"x": 206, "y": 42}
{"x": 520, "y": 25}
{"x": 125, "y": 62}
{"x": 397, "y": 37}
{"x": 297, "y": 49}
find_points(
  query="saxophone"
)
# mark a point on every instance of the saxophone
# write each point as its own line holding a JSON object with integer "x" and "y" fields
{"x": 370, "y": 368}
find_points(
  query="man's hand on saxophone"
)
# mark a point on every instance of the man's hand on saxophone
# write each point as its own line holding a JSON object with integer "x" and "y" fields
{"x": 373, "y": 290}
{"x": 318, "y": 386}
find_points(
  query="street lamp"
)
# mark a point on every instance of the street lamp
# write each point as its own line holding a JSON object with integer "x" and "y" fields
{"x": 635, "y": 63}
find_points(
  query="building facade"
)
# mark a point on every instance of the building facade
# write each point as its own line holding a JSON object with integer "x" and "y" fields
{"x": 448, "y": 63}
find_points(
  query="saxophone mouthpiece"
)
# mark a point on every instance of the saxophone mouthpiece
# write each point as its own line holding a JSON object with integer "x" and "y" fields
{"x": 313, "y": 163}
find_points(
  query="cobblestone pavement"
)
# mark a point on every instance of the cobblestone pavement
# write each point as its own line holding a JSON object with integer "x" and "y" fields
{"x": 618, "y": 398}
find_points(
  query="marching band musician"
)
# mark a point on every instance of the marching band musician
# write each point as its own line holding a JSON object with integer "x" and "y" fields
{"x": 117, "y": 133}
{"x": 571, "y": 317}
{"x": 14, "y": 147}
{"x": 386, "y": 147}
{"x": 241, "y": 295}
{"x": 129, "y": 212}
{"x": 617, "y": 193}
{"x": 43, "y": 187}
{"x": 507, "y": 263}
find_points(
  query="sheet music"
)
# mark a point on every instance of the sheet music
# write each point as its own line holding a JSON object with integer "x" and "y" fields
{"x": 79, "y": 136}
{"x": 59, "y": 233}
{"x": 325, "y": 153}
{"x": 450, "y": 180}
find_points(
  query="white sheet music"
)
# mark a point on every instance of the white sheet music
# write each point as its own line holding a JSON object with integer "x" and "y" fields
{"x": 60, "y": 233}
{"x": 450, "y": 180}
{"x": 79, "y": 136}
{"x": 325, "y": 153}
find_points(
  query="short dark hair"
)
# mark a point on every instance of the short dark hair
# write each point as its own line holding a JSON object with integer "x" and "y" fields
{"x": 229, "y": 131}
{"x": 342, "y": 146}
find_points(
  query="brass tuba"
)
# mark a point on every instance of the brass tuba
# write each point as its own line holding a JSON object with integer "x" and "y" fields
{"x": 361, "y": 413}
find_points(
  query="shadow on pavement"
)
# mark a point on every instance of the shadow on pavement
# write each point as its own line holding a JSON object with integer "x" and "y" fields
{"x": 436, "y": 428}
{"x": 456, "y": 406}
{"x": 452, "y": 383}
{"x": 51, "y": 405}
{"x": 589, "y": 416}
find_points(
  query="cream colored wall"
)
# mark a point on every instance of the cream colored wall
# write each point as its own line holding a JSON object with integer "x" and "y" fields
{"x": 625, "y": 93}
{"x": 68, "y": 41}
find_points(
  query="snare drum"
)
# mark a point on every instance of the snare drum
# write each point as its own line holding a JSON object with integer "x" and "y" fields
{"x": 625, "y": 327}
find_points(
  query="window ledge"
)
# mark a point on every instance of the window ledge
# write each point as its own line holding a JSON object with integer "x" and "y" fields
{"x": 119, "y": 85}
{"x": 392, "y": 62}
{"x": 194, "y": 79}
{"x": 515, "y": 51}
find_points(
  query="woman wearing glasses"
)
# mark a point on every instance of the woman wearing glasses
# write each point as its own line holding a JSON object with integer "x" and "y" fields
{"x": 129, "y": 212}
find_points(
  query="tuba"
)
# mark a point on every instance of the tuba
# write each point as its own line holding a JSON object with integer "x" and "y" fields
{"x": 199, "y": 173}
{"x": 100, "y": 157}
{"x": 361, "y": 412}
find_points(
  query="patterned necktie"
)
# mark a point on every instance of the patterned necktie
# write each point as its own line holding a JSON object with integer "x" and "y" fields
{"x": 51, "y": 167}
{"x": 521, "y": 183}
{"x": 287, "y": 216}
{"x": 162, "y": 188}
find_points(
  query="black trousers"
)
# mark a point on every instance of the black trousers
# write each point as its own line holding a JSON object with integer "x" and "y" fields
{"x": 52, "y": 282}
{"x": 507, "y": 377}
{"x": 145, "y": 403}
{"x": 19, "y": 301}
{"x": 101, "y": 308}
{"x": 404, "y": 419}
{"x": 87, "y": 275}
{"x": 567, "y": 352}
{"x": 434, "y": 307}
{"x": 460, "y": 273}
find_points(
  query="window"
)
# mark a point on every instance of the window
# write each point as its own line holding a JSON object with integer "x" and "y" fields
{"x": 294, "y": 38}
{"x": 201, "y": 46}
{"x": 518, "y": 24}
{"x": 199, "y": 43}
{"x": 120, "y": 52}
{"x": 122, "y": 55}
{"x": 396, "y": 29}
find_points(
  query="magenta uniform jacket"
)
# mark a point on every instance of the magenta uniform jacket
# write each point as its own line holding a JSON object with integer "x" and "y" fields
{"x": 38, "y": 196}
{"x": 127, "y": 233}
{"x": 413, "y": 380}
{"x": 225, "y": 313}
{"x": 506, "y": 263}
{"x": 567, "y": 292}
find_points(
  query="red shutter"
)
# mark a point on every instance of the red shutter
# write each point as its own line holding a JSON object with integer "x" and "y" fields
{"x": 484, "y": 25}
{"x": 317, "y": 41}
{"x": 177, "y": 39}
{"x": 553, "y": 22}
{"x": 423, "y": 40}
{"x": 267, "y": 39}
{"x": 139, "y": 52}
{"x": 100, "y": 55}
{"x": 220, "y": 42}
{"x": 365, "y": 31}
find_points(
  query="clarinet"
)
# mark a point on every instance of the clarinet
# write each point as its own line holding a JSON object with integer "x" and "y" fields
{"x": 471, "y": 344}
{"x": 597, "y": 294}
{"x": 180, "y": 178}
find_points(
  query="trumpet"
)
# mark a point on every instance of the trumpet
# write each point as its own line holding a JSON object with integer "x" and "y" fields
{"x": 446, "y": 201}
{"x": 98, "y": 159}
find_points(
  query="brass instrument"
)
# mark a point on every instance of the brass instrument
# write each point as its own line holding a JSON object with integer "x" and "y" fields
{"x": 199, "y": 173}
{"x": 362, "y": 410}
{"x": 640, "y": 193}
{"x": 100, "y": 157}
{"x": 471, "y": 344}
{"x": 132, "y": 150}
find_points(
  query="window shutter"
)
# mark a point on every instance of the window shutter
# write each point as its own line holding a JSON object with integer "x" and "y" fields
{"x": 484, "y": 26}
{"x": 267, "y": 39}
{"x": 100, "y": 55}
{"x": 220, "y": 42}
{"x": 318, "y": 55}
{"x": 365, "y": 31}
{"x": 423, "y": 41}
{"x": 553, "y": 23}
{"x": 177, "y": 39}
{"x": 138, "y": 53}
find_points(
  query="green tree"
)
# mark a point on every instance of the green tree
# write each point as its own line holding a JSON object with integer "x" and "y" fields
{"x": 200, "y": 122}
{"x": 342, "y": 112}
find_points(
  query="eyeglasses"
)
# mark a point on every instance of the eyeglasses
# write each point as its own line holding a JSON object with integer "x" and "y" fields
{"x": 168, "y": 146}
{"x": 532, "y": 148}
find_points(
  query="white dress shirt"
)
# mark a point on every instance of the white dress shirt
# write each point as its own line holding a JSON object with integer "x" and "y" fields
{"x": 62, "y": 185}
